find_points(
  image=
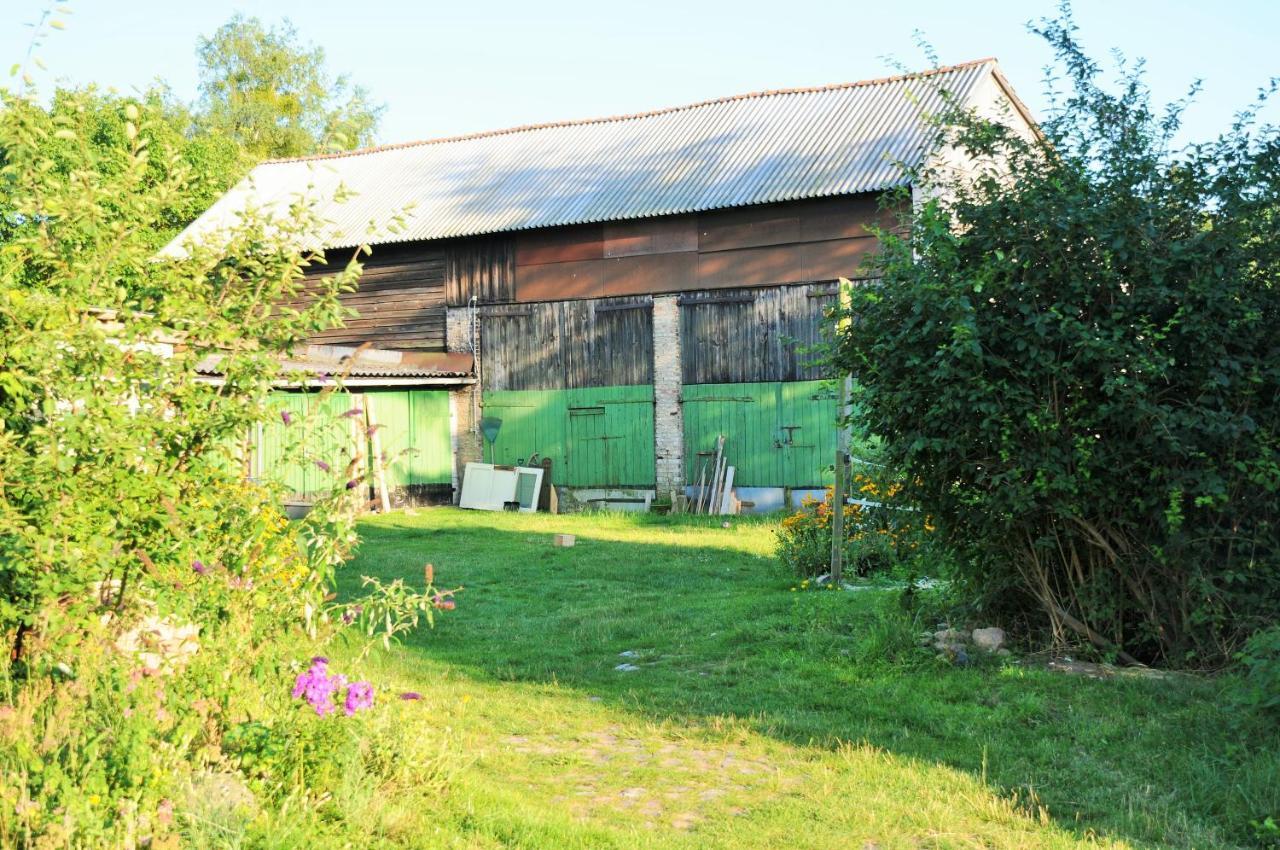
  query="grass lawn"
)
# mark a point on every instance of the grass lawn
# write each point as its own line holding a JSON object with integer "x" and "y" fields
{"x": 759, "y": 717}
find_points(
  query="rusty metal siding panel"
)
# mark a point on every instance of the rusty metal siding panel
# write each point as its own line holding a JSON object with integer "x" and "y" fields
{"x": 568, "y": 344}
{"x": 765, "y": 245}
{"x": 777, "y": 434}
{"x": 752, "y": 335}
{"x": 595, "y": 436}
{"x": 752, "y": 149}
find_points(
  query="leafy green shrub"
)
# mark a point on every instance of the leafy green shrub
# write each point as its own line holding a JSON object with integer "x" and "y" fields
{"x": 1260, "y": 660}
{"x": 1071, "y": 354}
{"x": 155, "y": 607}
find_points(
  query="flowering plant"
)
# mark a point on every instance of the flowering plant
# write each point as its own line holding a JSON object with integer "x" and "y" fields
{"x": 881, "y": 532}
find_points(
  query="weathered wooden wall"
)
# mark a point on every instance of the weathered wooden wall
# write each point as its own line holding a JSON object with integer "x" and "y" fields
{"x": 484, "y": 267}
{"x": 567, "y": 344}
{"x": 400, "y": 301}
{"x": 752, "y": 335}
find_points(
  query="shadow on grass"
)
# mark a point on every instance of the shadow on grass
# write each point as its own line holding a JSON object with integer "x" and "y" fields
{"x": 712, "y": 628}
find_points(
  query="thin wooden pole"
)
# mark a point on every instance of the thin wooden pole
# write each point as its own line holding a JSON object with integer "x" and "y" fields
{"x": 842, "y": 453}
{"x": 837, "y": 497}
{"x": 379, "y": 462}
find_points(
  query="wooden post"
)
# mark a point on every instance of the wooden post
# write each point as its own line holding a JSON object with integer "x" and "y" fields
{"x": 359, "y": 495}
{"x": 837, "y": 498}
{"x": 842, "y": 455}
{"x": 379, "y": 462}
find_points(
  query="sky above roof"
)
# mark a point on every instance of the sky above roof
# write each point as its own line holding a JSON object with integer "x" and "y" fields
{"x": 447, "y": 69}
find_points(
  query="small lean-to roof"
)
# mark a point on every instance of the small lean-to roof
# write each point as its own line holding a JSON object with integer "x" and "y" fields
{"x": 318, "y": 364}
{"x": 755, "y": 148}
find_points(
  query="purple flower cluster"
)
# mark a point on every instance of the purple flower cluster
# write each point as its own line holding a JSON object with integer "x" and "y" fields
{"x": 359, "y": 695}
{"x": 317, "y": 686}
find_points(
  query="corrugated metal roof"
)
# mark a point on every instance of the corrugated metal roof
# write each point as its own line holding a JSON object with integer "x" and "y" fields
{"x": 750, "y": 149}
{"x": 326, "y": 361}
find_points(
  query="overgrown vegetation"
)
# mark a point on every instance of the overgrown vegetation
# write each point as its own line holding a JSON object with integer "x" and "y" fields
{"x": 1072, "y": 357}
{"x": 156, "y": 609}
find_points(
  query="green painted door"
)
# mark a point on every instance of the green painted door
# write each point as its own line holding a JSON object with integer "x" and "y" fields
{"x": 777, "y": 434}
{"x": 595, "y": 436}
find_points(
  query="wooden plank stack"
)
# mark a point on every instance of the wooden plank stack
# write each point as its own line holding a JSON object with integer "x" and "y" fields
{"x": 715, "y": 495}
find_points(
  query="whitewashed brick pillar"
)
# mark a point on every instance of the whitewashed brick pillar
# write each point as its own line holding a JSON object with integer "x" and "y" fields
{"x": 668, "y": 424}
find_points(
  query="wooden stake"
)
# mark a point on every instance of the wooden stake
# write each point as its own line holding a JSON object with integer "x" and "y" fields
{"x": 379, "y": 462}
{"x": 356, "y": 467}
{"x": 726, "y": 495}
{"x": 842, "y": 460}
{"x": 702, "y": 483}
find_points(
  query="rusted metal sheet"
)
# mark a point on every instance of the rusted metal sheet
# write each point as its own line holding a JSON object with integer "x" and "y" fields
{"x": 759, "y": 246}
{"x": 669, "y": 235}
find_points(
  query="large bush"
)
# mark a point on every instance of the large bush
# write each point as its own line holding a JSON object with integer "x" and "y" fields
{"x": 1073, "y": 354}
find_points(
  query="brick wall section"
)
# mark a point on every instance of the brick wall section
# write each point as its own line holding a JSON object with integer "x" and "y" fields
{"x": 458, "y": 329}
{"x": 668, "y": 423}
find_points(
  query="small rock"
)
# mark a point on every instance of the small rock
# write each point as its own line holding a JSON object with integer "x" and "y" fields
{"x": 961, "y": 658}
{"x": 1004, "y": 653}
{"x": 629, "y": 653}
{"x": 725, "y": 525}
{"x": 626, "y": 668}
{"x": 951, "y": 636}
{"x": 989, "y": 640}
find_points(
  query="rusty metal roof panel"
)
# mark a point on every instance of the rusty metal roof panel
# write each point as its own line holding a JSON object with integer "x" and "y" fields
{"x": 749, "y": 149}
{"x": 330, "y": 360}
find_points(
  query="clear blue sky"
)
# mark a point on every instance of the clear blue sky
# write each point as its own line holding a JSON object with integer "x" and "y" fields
{"x": 443, "y": 69}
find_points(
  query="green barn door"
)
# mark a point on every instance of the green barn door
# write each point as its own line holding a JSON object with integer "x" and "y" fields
{"x": 610, "y": 437}
{"x": 588, "y": 456}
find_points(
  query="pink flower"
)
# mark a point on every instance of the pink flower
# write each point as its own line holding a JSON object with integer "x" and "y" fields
{"x": 359, "y": 695}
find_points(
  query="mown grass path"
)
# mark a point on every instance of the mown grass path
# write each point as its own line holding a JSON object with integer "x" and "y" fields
{"x": 762, "y": 717}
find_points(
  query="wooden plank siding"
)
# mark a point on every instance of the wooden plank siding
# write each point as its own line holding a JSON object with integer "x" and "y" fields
{"x": 400, "y": 301}
{"x": 595, "y": 436}
{"x": 752, "y": 335}
{"x": 484, "y": 267}
{"x": 567, "y": 344}
{"x": 780, "y": 434}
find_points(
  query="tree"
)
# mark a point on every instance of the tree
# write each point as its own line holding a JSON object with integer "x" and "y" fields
{"x": 274, "y": 95}
{"x": 1072, "y": 355}
{"x": 211, "y": 163}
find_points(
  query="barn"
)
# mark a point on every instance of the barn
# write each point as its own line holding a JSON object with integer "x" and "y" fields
{"x": 622, "y": 291}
